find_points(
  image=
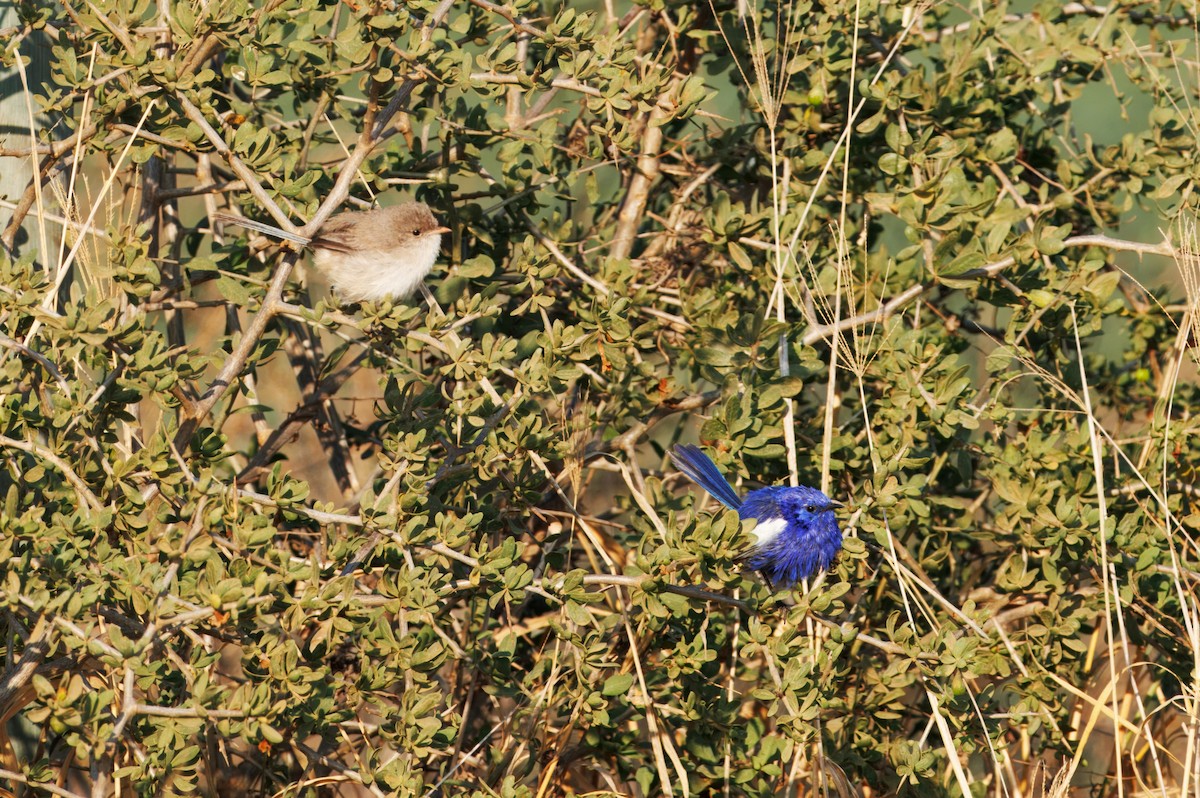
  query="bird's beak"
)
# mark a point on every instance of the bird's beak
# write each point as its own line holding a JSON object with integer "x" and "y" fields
{"x": 836, "y": 504}
{"x": 441, "y": 230}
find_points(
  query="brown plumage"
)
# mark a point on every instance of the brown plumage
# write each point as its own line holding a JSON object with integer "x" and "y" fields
{"x": 379, "y": 253}
{"x": 370, "y": 255}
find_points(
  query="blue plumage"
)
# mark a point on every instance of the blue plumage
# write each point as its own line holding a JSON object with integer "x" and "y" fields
{"x": 797, "y": 532}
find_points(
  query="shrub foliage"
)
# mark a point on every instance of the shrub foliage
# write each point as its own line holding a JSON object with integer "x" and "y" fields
{"x": 933, "y": 259}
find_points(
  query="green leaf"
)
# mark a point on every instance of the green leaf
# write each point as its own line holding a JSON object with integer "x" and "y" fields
{"x": 963, "y": 263}
{"x": 1103, "y": 285}
{"x": 740, "y": 257}
{"x": 892, "y": 163}
{"x": 235, "y": 291}
{"x": 617, "y": 684}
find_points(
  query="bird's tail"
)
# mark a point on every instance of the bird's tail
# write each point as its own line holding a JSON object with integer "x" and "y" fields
{"x": 260, "y": 227}
{"x": 696, "y": 466}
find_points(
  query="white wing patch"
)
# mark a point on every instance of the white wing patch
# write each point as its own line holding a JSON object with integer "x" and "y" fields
{"x": 767, "y": 531}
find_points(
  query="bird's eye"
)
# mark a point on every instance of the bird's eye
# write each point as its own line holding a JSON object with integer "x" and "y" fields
{"x": 416, "y": 232}
{"x": 812, "y": 508}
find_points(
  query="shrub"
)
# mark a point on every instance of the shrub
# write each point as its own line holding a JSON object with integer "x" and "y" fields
{"x": 259, "y": 544}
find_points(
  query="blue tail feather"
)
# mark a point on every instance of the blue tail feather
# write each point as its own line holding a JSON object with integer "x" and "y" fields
{"x": 696, "y": 466}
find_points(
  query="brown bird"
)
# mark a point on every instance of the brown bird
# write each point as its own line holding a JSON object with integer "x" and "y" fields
{"x": 369, "y": 255}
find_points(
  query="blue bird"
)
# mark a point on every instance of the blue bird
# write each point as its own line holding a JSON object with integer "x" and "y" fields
{"x": 797, "y": 533}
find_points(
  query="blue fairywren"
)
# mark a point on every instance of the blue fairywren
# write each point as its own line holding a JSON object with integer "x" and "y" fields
{"x": 796, "y": 532}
